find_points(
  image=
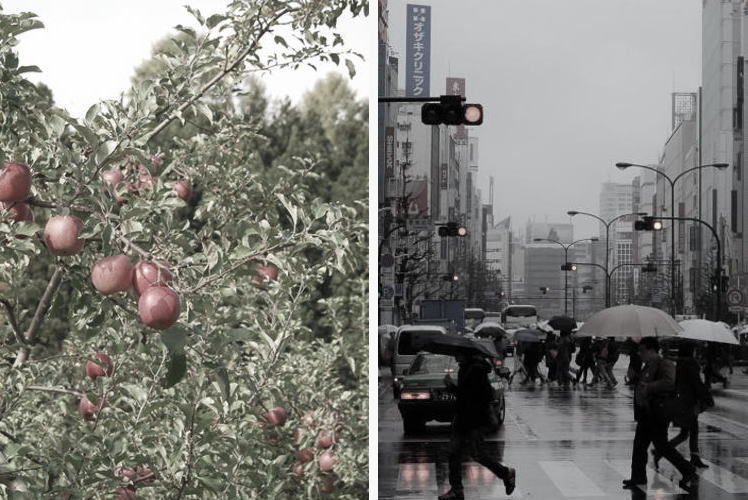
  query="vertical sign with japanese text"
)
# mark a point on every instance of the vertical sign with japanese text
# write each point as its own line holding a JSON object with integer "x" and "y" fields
{"x": 456, "y": 86}
{"x": 389, "y": 151}
{"x": 418, "y": 51}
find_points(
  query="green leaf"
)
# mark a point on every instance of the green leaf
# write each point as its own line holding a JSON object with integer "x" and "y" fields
{"x": 335, "y": 58}
{"x": 26, "y": 228}
{"x": 105, "y": 149}
{"x": 223, "y": 380}
{"x": 280, "y": 40}
{"x": 174, "y": 338}
{"x": 28, "y": 69}
{"x": 177, "y": 368}
{"x": 214, "y": 20}
{"x": 351, "y": 68}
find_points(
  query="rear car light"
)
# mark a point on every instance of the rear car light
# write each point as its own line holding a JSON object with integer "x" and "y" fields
{"x": 412, "y": 395}
{"x": 497, "y": 363}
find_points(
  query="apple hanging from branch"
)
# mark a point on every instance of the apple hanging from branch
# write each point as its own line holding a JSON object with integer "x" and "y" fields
{"x": 15, "y": 182}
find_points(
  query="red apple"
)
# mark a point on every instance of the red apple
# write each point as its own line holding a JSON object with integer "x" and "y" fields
{"x": 277, "y": 416}
{"x": 15, "y": 182}
{"x": 125, "y": 473}
{"x": 112, "y": 177}
{"x": 184, "y": 189}
{"x": 112, "y": 274}
{"x": 328, "y": 484}
{"x": 297, "y": 469}
{"x": 61, "y": 234}
{"x": 125, "y": 492}
{"x": 87, "y": 409}
{"x": 147, "y": 274}
{"x": 326, "y": 440}
{"x": 158, "y": 307}
{"x": 327, "y": 461}
{"x": 267, "y": 273}
{"x": 18, "y": 211}
{"x": 95, "y": 370}
{"x": 145, "y": 475}
{"x": 305, "y": 455}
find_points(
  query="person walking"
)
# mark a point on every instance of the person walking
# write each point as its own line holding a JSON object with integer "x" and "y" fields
{"x": 563, "y": 359}
{"x": 609, "y": 361}
{"x": 533, "y": 356}
{"x": 551, "y": 351}
{"x": 712, "y": 367}
{"x": 694, "y": 397}
{"x": 473, "y": 417}
{"x": 656, "y": 383}
{"x": 584, "y": 359}
{"x": 635, "y": 362}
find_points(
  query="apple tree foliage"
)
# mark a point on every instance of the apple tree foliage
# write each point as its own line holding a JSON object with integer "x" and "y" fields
{"x": 184, "y": 408}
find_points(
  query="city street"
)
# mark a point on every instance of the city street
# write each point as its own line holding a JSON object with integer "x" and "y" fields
{"x": 566, "y": 444}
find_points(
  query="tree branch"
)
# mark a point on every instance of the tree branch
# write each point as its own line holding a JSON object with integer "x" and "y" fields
{"x": 51, "y": 204}
{"x": 55, "y": 389}
{"x": 13, "y": 321}
{"x": 41, "y": 311}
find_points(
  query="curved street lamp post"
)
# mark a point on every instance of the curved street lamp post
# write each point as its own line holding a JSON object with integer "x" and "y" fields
{"x": 566, "y": 261}
{"x": 719, "y": 166}
{"x": 607, "y": 225}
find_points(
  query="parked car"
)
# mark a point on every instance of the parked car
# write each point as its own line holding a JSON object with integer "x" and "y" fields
{"x": 403, "y": 352}
{"x": 424, "y": 396}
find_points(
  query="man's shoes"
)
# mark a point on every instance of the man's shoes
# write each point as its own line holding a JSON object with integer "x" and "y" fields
{"x": 696, "y": 462}
{"x": 656, "y": 457}
{"x": 452, "y": 495}
{"x": 688, "y": 483}
{"x": 510, "y": 481}
{"x": 630, "y": 484}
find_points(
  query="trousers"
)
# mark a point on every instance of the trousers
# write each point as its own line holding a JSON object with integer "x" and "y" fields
{"x": 472, "y": 443}
{"x": 652, "y": 430}
{"x": 690, "y": 432}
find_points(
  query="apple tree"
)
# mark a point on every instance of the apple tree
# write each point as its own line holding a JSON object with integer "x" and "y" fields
{"x": 155, "y": 339}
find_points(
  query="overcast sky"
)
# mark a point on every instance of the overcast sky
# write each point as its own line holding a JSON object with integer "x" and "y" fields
{"x": 568, "y": 87}
{"x": 88, "y": 50}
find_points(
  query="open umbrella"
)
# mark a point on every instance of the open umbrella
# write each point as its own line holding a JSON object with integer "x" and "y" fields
{"x": 451, "y": 345}
{"x": 562, "y": 323}
{"x": 530, "y": 335}
{"x": 630, "y": 321}
{"x": 489, "y": 330}
{"x": 709, "y": 331}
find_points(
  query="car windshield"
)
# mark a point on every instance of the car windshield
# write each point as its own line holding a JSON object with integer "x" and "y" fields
{"x": 521, "y": 311}
{"x": 430, "y": 363}
{"x": 405, "y": 344}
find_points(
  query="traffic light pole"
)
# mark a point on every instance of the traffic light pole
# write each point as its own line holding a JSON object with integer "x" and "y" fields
{"x": 718, "y": 307}
{"x": 414, "y": 99}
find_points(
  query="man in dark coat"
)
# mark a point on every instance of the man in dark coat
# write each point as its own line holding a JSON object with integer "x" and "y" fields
{"x": 656, "y": 383}
{"x": 694, "y": 397}
{"x": 474, "y": 396}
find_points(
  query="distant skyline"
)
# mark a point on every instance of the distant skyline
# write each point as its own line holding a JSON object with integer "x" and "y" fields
{"x": 88, "y": 51}
{"x": 569, "y": 89}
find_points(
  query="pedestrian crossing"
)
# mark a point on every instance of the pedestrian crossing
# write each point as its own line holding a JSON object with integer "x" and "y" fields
{"x": 566, "y": 479}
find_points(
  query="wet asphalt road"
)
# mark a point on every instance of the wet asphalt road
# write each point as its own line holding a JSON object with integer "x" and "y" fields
{"x": 566, "y": 444}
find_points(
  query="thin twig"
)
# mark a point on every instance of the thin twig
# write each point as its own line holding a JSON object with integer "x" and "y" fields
{"x": 13, "y": 321}
{"x": 39, "y": 314}
{"x": 55, "y": 389}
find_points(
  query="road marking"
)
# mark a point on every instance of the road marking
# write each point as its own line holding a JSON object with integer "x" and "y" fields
{"x": 417, "y": 477}
{"x": 731, "y": 483}
{"x": 623, "y": 467}
{"x": 570, "y": 479}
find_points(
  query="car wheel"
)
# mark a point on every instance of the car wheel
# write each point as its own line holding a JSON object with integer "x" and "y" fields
{"x": 412, "y": 425}
{"x": 501, "y": 414}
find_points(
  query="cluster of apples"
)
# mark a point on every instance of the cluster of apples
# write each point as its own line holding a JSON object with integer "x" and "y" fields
{"x": 326, "y": 458}
{"x": 121, "y": 186}
{"x": 15, "y": 187}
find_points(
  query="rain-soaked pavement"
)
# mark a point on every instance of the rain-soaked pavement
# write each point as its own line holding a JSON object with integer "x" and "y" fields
{"x": 566, "y": 444}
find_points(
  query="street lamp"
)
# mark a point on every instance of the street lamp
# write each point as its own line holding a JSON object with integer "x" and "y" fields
{"x": 607, "y": 224}
{"x": 718, "y": 166}
{"x": 566, "y": 267}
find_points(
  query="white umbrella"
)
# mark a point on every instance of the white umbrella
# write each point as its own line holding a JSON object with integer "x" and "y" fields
{"x": 709, "y": 331}
{"x": 489, "y": 328}
{"x": 630, "y": 321}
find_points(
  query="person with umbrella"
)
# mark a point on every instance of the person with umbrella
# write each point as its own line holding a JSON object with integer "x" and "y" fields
{"x": 656, "y": 383}
{"x": 563, "y": 359}
{"x": 585, "y": 359}
{"x": 694, "y": 397}
{"x": 472, "y": 418}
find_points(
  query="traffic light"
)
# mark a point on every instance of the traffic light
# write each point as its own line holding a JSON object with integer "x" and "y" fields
{"x": 568, "y": 267}
{"x": 544, "y": 289}
{"x": 450, "y": 111}
{"x": 452, "y": 229}
{"x": 450, "y": 277}
{"x": 647, "y": 224}
{"x": 713, "y": 283}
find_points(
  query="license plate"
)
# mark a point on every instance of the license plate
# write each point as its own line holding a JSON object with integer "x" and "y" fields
{"x": 445, "y": 396}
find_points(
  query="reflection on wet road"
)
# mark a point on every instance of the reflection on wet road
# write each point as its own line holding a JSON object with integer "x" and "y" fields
{"x": 573, "y": 444}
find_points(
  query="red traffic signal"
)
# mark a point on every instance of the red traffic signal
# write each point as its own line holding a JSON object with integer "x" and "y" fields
{"x": 450, "y": 111}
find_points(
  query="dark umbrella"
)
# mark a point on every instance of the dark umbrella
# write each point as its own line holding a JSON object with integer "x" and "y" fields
{"x": 489, "y": 330}
{"x": 451, "y": 345}
{"x": 562, "y": 323}
{"x": 530, "y": 335}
